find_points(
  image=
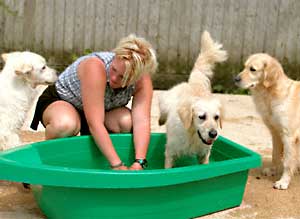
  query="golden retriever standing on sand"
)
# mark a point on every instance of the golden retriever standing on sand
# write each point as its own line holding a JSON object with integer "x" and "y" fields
{"x": 277, "y": 99}
{"x": 191, "y": 113}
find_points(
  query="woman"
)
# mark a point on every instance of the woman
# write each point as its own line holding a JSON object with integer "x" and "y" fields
{"x": 90, "y": 97}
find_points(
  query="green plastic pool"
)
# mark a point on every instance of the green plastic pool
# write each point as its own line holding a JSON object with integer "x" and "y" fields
{"x": 71, "y": 179}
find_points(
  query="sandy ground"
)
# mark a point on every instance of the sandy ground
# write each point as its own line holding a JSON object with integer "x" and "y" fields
{"x": 242, "y": 125}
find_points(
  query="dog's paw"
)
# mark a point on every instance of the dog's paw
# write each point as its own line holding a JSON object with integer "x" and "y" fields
{"x": 269, "y": 171}
{"x": 168, "y": 162}
{"x": 281, "y": 184}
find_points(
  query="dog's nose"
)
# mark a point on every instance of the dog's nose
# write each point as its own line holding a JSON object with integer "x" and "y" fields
{"x": 212, "y": 133}
{"x": 237, "y": 79}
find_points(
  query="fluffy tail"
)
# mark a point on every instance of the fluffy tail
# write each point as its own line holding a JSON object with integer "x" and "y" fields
{"x": 211, "y": 53}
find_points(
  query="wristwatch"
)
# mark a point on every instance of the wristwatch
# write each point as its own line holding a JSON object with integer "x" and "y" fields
{"x": 142, "y": 162}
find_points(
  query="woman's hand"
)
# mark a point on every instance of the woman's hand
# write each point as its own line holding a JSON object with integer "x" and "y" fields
{"x": 120, "y": 168}
{"x": 136, "y": 166}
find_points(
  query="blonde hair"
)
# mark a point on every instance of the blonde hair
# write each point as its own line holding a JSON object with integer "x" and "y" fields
{"x": 139, "y": 57}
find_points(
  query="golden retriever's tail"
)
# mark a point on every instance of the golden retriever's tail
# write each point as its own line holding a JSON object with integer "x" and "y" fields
{"x": 211, "y": 53}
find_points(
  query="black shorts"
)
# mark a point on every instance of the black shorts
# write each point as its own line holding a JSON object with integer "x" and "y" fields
{"x": 49, "y": 96}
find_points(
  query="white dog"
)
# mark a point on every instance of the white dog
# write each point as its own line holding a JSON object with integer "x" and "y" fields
{"x": 191, "y": 113}
{"x": 22, "y": 72}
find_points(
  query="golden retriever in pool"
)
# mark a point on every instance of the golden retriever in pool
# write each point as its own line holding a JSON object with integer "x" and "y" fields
{"x": 277, "y": 99}
{"x": 192, "y": 115}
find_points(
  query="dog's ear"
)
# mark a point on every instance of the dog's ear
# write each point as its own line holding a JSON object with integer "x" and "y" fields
{"x": 23, "y": 69}
{"x": 221, "y": 118}
{"x": 221, "y": 111}
{"x": 185, "y": 112}
{"x": 4, "y": 56}
{"x": 272, "y": 71}
{"x": 220, "y": 122}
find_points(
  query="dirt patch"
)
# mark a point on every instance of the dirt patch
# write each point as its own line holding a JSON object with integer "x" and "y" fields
{"x": 242, "y": 125}
{"x": 16, "y": 202}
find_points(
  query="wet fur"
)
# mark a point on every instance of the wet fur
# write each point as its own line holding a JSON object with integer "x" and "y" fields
{"x": 181, "y": 106}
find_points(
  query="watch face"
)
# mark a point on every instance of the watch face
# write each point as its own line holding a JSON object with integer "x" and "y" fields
{"x": 142, "y": 162}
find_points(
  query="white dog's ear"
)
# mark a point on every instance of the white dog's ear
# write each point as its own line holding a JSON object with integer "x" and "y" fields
{"x": 23, "y": 69}
{"x": 219, "y": 104}
{"x": 221, "y": 115}
{"x": 185, "y": 113}
{"x": 4, "y": 56}
{"x": 272, "y": 71}
{"x": 220, "y": 120}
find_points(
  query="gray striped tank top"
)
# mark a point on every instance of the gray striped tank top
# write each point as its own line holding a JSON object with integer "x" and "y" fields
{"x": 68, "y": 84}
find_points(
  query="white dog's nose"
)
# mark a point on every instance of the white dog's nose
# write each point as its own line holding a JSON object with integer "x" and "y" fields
{"x": 212, "y": 133}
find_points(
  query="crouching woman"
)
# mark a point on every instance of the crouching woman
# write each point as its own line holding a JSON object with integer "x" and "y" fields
{"x": 91, "y": 95}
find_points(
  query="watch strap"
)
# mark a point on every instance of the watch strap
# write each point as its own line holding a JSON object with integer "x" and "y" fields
{"x": 142, "y": 162}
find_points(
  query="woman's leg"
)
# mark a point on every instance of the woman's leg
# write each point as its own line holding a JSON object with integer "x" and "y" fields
{"x": 61, "y": 119}
{"x": 118, "y": 120}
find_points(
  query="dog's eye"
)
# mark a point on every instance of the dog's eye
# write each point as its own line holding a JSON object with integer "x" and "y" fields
{"x": 44, "y": 67}
{"x": 216, "y": 117}
{"x": 202, "y": 117}
{"x": 252, "y": 69}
